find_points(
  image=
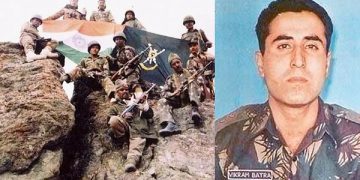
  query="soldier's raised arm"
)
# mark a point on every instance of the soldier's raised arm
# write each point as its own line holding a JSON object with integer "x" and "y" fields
{"x": 56, "y": 15}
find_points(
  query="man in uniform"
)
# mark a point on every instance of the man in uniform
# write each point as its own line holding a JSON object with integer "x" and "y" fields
{"x": 30, "y": 33}
{"x": 294, "y": 135}
{"x": 101, "y": 14}
{"x": 70, "y": 11}
{"x": 198, "y": 60}
{"x": 137, "y": 124}
{"x": 131, "y": 21}
{"x": 191, "y": 33}
{"x": 93, "y": 66}
{"x": 175, "y": 97}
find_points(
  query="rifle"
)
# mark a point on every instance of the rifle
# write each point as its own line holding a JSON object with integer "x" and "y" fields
{"x": 137, "y": 100}
{"x": 186, "y": 83}
{"x": 131, "y": 61}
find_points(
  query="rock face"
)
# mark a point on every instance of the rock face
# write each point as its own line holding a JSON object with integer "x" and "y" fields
{"x": 43, "y": 137}
{"x": 92, "y": 154}
{"x": 35, "y": 116}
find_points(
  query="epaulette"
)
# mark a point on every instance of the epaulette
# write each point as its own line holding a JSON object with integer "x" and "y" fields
{"x": 241, "y": 114}
{"x": 342, "y": 112}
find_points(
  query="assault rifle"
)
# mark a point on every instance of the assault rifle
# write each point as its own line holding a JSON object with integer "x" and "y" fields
{"x": 131, "y": 61}
{"x": 137, "y": 100}
{"x": 192, "y": 78}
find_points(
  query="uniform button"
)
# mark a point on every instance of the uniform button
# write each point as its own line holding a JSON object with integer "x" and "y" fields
{"x": 294, "y": 158}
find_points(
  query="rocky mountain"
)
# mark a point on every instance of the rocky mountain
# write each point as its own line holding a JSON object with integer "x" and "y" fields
{"x": 44, "y": 136}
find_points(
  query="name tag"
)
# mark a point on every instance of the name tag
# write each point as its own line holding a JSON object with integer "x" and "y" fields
{"x": 249, "y": 174}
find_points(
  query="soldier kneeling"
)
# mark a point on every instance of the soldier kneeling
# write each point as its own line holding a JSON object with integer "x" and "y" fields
{"x": 136, "y": 123}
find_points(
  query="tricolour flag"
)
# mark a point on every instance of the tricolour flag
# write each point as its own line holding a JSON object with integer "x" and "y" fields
{"x": 76, "y": 34}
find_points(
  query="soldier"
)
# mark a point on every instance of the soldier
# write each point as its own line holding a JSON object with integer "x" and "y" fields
{"x": 175, "y": 98}
{"x": 93, "y": 66}
{"x": 29, "y": 34}
{"x": 131, "y": 21}
{"x": 198, "y": 60}
{"x": 117, "y": 55}
{"x": 191, "y": 33}
{"x": 101, "y": 14}
{"x": 294, "y": 134}
{"x": 69, "y": 12}
{"x": 137, "y": 124}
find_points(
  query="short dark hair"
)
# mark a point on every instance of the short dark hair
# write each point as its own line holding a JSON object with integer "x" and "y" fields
{"x": 281, "y": 6}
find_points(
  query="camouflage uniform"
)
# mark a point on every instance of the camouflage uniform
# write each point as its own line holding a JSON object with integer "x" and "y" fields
{"x": 135, "y": 23}
{"x": 173, "y": 82}
{"x": 200, "y": 34}
{"x": 89, "y": 65}
{"x": 139, "y": 128}
{"x": 199, "y": 61}
{"x": 247, "y": 140}
{"x": 68, "y": 12}
{"x": 29, "y": 34}
{"x": 132, "y": 72}
{"x": 102, "y": 15}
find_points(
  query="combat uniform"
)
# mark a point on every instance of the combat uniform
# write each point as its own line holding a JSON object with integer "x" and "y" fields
{"x": 139, "y": 128}
{"x": 199, "y": 34}
{"x": 167, "y": 103}
{"x": 97, "y": 67}
{"x": 28, "y": 35}
{"x": 247, "y": 140}
{"x": 68, "y": 12}
{"x": 135, "y": 23}
{"x": 102, "y": 15}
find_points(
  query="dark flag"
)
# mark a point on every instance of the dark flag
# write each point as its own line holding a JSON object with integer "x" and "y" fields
{"x": 156, "y": 69}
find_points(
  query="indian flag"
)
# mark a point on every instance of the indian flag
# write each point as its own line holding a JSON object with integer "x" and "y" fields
{"x": 76, "y": 34}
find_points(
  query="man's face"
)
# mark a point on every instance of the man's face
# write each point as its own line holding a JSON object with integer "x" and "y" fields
{"x": 129, "y": 54}
{"x": 295, "y": 62}
{"x": 177, "y": 65}
{"x": 189, "y": 25}
{"x": 94, "y": 50}
{"x": 120, "y": 42}
{"x": 74, "y": 2}
{"x": 101, "y": 5}
{"x": 35, "y": 22}
{"x": 123, "y": 92}
{"x": 194, "y": 48}
{"x": 129, "y": 15}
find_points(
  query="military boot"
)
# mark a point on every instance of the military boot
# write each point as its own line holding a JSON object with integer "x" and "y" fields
{"x": 130, "y": 165}
{"x": 170, "y": 129}
{"x": 195, "y": 116}
{"x": 31, "y": 56}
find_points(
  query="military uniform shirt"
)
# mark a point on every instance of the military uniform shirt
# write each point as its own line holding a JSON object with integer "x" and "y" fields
{"x": 98, "y": 63}
{"x": 104, "y": 16}
{"x": 247, "y": 141}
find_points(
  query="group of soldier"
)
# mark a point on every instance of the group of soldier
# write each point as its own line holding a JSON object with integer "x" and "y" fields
{"x": 130, "y": 114}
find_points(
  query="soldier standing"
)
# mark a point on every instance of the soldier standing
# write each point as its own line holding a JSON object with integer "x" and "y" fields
{"x": 30, "y": 33}
{"x": 117, "y": 55}
{"x": 174, "y": 97}
{"x": 93, "y": 66}
{"x": 131, "y": 21}
{"x": 70, "y": 11}
{"x": 191, "y": 33}
{"x": 137, "y": 124}
{"x": 101, "y": 14}
{"x": 198, "y": 60}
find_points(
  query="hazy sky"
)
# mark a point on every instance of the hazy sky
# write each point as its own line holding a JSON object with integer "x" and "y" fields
{"x": 158, "y": 16}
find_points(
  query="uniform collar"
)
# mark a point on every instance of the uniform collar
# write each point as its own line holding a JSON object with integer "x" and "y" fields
{"x": 265, "y": 122}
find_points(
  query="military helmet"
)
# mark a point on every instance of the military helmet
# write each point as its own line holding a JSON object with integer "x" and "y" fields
{"x": 36, "y": 16}
{"x": 93, "y": 43}
{"x": 173, "y": 56}
{"x": 119, "y": 34}
{"x": 188, "y": 19}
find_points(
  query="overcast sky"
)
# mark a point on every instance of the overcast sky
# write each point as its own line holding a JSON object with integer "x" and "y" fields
{"x": 158, "y": 16}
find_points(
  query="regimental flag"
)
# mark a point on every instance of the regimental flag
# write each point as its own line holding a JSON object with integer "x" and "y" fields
{"x": 156, "y": 69}
{"x": 76, "y": 34}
